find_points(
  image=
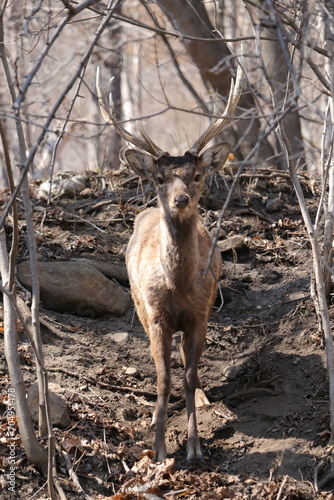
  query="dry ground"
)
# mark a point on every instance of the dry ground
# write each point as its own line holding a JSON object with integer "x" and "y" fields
{"x": 264, "y": 434}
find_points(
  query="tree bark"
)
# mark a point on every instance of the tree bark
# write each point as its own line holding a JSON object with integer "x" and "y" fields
{"x": 277, "y": 68}
{"x": 215, "y": 63}
{"x": 328, "y": 33}
{"x": 113, "y": 67}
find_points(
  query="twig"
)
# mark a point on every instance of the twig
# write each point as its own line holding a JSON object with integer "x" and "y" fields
{"x": 280, "y": 492}
{"x": 252, "y": 211}
{"x": 59, "y": 489}
{"x": 74, "y": 477}
{"x": 77, "y": 218}
{"x": 53, "y": 329}
{"x": 122, "y": 388}
{"x": 47, "y": 48}
{"x": 183, "y": 78}
{"x": 329, "y": 476}
{"x": 265, "y": 134}
{"x": 63, "y": 128}
{"x": 248, "y": 392}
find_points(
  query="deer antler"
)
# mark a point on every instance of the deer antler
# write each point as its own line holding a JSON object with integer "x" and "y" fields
{"x": 108, "y": 114}
{"x": 216, "y": 127}
{"x": 146, "y": 144}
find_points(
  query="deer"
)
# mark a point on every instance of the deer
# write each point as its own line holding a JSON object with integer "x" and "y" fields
{"x": 167, "y": 256}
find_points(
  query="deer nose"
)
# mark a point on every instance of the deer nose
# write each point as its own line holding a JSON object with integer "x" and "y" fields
{"x": 181, "y": 201}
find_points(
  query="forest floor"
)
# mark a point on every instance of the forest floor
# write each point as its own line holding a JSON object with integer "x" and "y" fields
{"x": 265, "y": 433}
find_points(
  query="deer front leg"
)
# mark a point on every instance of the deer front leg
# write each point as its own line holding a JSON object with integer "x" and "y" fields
{"x": 161, "y": 351}
{"x": 192, "y": 347}
{"x": 200, "y": 396}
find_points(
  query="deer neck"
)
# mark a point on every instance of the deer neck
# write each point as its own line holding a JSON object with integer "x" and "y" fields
{"x": 179, "y": 250}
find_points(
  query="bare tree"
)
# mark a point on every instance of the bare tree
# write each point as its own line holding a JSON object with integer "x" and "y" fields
{"x": 216, "y": 64}
{"x": 289, "y": 91}
{"x": 275, "y": 64}
{"x": 13, "y": 306}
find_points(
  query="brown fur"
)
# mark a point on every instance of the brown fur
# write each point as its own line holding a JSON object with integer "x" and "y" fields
{"x": 166, "y": 258}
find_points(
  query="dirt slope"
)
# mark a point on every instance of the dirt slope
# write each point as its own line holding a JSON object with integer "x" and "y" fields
{"x": 263, "y": 369}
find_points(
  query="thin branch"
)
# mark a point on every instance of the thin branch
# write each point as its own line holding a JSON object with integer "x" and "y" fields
{"x": 287, "y": 21}
{"x": 71, "y": 13}
{"x": 183, "y": 78}
{"x": 320, "y": 289}
{"x": 74, "y": 477}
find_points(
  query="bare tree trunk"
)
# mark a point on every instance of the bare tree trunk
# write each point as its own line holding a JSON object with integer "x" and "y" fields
{"x": 35, "y": 452}
{"x": 328, "y": 237}
{"x": 328, "y": 30}
{"x": 277, "y": 66}
{"x": 113, "y": 65}
{"x": 278, "y": 73}
{"x": 31, "y": 236}
{"x": 215, "y": 62}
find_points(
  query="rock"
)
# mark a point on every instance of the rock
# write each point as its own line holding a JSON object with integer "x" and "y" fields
{"x": 131, "y": 370}
{"x": 116, "y": 271}
{"x": 274, "y": 205}
{"x": 76, "y": 288}
{"x": 58, "y": 405}
{"x": 233, "y": 243}
{"x": 63, "y": 184}
{"x": 236, "y": 267}
{"x": 233, "y": 371}
{"x": 261, "y": 184}
{"x": 119, "y": 337}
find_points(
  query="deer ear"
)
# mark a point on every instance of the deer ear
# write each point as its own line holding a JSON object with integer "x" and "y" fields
{"x": 214, "y": 158}
{"x": 142, "y": 163}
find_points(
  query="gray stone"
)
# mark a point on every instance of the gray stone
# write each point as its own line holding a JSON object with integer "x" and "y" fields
{"x": 233, "y": 371}
{"x": 116, "y": 271}
{"x": 274, "y": 205}
{"x": 131, "y": 370}
{"x": 119, "y": 337}
{"x": 76, "y": 288}
{"x": 232, "y": 243}
{"x": 58, "y": 405}
{"x": 63, "y": 184}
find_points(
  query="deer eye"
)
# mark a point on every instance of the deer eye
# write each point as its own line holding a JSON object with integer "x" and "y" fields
{"x": 197, "y": 177}
{"x": 160, "y": 180}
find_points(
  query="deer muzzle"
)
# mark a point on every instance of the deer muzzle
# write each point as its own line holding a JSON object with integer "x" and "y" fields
{"x": 181, "y": 201}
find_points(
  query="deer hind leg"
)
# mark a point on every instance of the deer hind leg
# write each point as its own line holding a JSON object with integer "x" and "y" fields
{"x": 161, "y": 340}
{"x": 192, "y": 347}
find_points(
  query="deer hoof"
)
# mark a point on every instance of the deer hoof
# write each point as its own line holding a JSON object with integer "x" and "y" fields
{"x": 194, "y": 452}
{"x": 161, "y": 455}
{"x": 195, "y": 460}
{"x": 200, "y": 398}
